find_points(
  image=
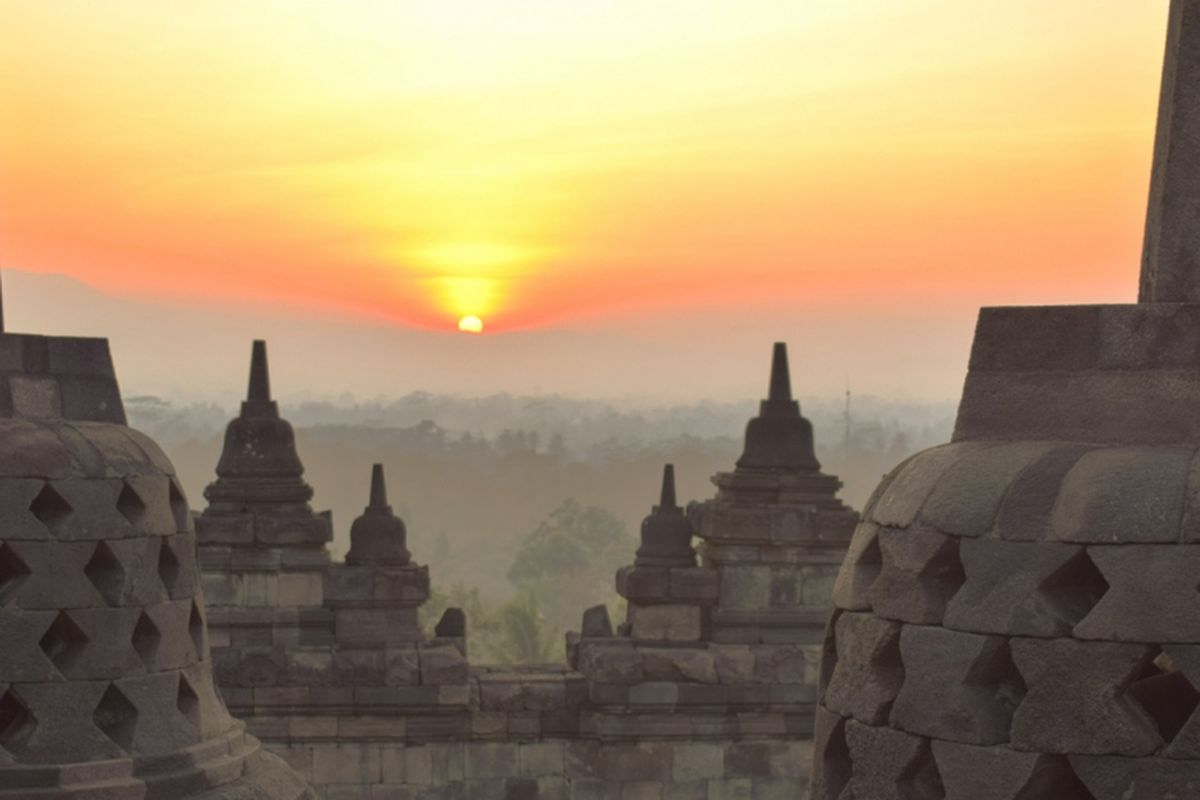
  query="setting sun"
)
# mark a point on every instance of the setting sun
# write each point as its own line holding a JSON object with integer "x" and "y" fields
{"x": 470, "y": 324}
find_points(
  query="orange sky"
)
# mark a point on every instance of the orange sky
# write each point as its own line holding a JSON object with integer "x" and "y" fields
{"x": 542, "y": 163}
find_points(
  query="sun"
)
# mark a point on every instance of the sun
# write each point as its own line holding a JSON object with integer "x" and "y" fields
{"x": 470, "y": 324}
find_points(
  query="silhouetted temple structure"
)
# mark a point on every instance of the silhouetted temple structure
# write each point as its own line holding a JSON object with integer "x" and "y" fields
{"x": 106, "y": 683}
{"x": 1018, "y": 615}
{"x": 707, "y": 689}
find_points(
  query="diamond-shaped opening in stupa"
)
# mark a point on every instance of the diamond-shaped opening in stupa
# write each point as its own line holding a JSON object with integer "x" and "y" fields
{"x": 50, "y": 509}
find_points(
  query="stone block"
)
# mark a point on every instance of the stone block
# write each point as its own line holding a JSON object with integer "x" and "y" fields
{"x": 868, "y": 673}
{"x": 491, "y": 760}
{"x": 400, "y": 585}
{"x": 696, "y": 584}
{"x": 37, "y": 397}
{"x": 734, "y": 663}
{"x": 359, "y": 666}
{"x": 1137, "y": 779}
{"x": 500, "y": 695}
{"x": 967, "y": 499}
{"x": 1151, "y": 597}
{"x": 596, "y": 624}
{"x": 965, "y": 690}
{"x": 1026, "y": 511}
{"x": 831, "y": 756}
{"x": 442, "y": 664}
{"x": 346, "y": 584}
{"x": 679, "y": 664}
{"x": 745, "y": 587}
{"x": 999, "y": 773}
{"x": 913, "y": 481}
{"x": 1077, "y": 698}
{"x": 346, "y": 763}
{"x": 231, "y": 530}
{"x": 644, "y": 584}
{"x": 541, "y": 759}
{"x": 1028, "y": 589}
{"x": 888, "y": 763}
{"x": 402, "y": 666}
{"x": 921, "y": 571}
{"x": 654, "y": 693}
{"x": 731, "y": 789}
{"x": 300, "y": 589}
{"x": 679, "y": 623}
{"x": 696, "y": 762}
{"x": 543, "y": 695}
{"x": 273, "y": 529}
{"x": 376, "y": 626}
{"x": 1126, "y": 494}
{"x": 45, "y": 565}
{"x": 641, "y": 790}
{"x": 24, "y": 660}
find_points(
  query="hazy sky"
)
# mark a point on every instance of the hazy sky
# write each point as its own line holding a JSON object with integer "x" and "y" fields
{"x": 636, "y": 197}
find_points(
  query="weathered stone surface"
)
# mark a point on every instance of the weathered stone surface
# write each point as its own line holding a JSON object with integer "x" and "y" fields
{"x": 1129, "y": 494}
{"x": 831, "y": 755}
{"x": 889, "y": 764}
{"x": 965, "y": 690}
{"x": 1027, "y": 508}
{"x": 967, "y": 499}
{"x": 617, "y": 663}
{"x": 442, "y": 664}
{"x": 860, "y": 569}
{"x": 1024, "y": 588}
{"x": 1077, "y": 699}
{"x": 679, "y": 623}
{"x": 695, "y": 665}
{"x": 1175, "y": 698}
{"x": 921, "y": 571}
{"x": 596, "y": 623}
{"x": 869, "y": 672}
{"x": 998, "y": 773}
{"x": 1152, "y": 595}
{"x": 1138, "y": 778}
{"x": 913, "y": 481}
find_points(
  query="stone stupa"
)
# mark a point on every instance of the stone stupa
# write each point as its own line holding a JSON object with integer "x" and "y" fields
{"x": 1019, "y": 614}
{"x": 106, "y": 686}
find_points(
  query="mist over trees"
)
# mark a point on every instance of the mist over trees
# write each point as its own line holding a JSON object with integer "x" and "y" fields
{"x": 524, "y": 507}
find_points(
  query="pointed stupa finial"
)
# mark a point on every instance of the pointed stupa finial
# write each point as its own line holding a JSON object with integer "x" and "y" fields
{"x": 668, "y": 488}
{"x": 379, "y": 500}
{"x": 781, "y": 380}
{"x": 260, "y": 375}
{"x": 666, "y": 534}
{"x": 779, "y": 438}
{"x": 258, "y": 395}
{"x": 378, "y": 536}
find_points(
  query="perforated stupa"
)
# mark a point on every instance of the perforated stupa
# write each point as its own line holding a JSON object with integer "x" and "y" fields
{"x": 106, "y": 686}
{"x": 1018, "y": 617}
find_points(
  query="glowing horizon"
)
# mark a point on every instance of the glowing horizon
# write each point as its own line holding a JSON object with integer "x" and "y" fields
{"x": 536, "y": 163}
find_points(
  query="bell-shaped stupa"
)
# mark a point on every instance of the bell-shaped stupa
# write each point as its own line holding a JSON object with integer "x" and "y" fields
{"x": 106, "y": 683}
{"x": 1018, "y": 617}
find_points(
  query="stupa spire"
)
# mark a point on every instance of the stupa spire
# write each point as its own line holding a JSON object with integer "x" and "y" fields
{"x": 1171, "y": 254}
{"x": 668, "y": 488}
{"x": 379, "y": 500}
{"x": 260, "y": 376}
{"x": 666, "y": 533}
{"x": 779, "y": 438}
{"x": 781, "y": 381}
{"x": 378, "y": 536}
{"x": 259, "y": 464}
